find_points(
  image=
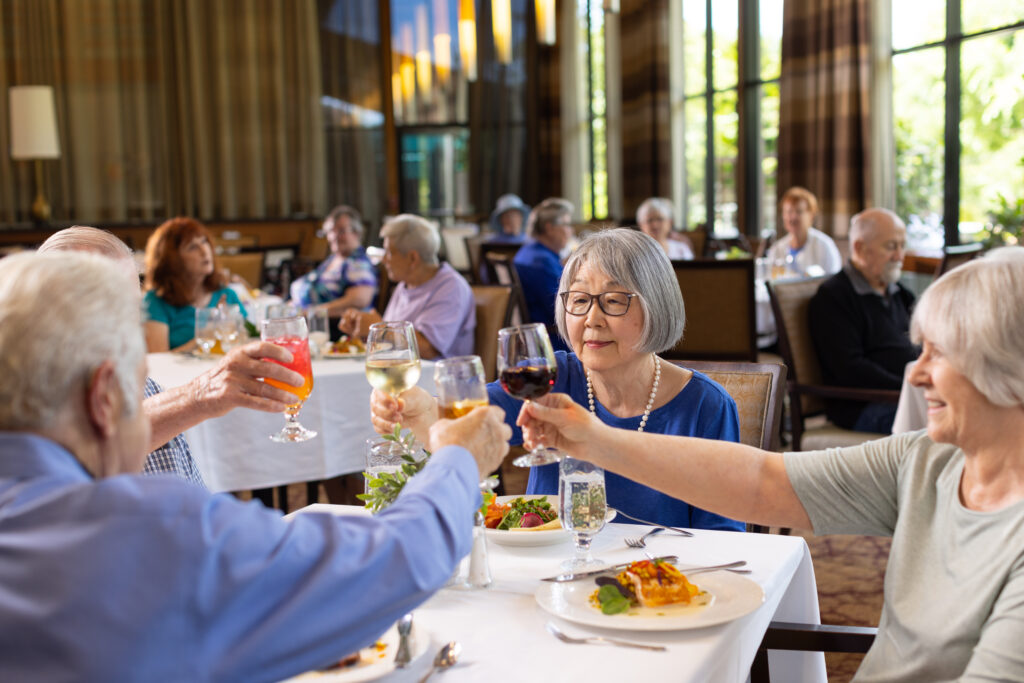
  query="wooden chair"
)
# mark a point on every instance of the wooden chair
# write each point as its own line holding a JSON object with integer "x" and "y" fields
{"x": 720, "y": 314}
{"x": 493, "y": 309}
{"x": 956, "y": 255}
{"x": 808, "y": 638}
{"x": 384, "y": 287}
{"x": 479, "y": 245}
{"x": 758, "y": 389}
{"x": 248, "y": 265}
{"x": 807, "y": 390}
{"x": 502, "y": 271}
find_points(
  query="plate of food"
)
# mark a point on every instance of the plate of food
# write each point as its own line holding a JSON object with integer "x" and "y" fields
{"x": 346, "y": 347}
{"x": 371, "y": 663}
{"x": 527, "y": 521}
{"x": 652, "y": 596}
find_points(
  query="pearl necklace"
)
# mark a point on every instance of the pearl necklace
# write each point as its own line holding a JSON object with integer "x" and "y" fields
{"x": 650, "y": 399}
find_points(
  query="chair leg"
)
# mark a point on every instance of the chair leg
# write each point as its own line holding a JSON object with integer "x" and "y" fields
{"x": 312, "y": 492}
{"x": 265, "y": 496}
{"x": 282, "y": 499}
{"x": 759, "y": 669}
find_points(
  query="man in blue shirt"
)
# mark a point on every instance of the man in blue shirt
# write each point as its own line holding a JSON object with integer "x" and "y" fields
{"x": 539, "y": 262}
{"x": 106, "y": 575}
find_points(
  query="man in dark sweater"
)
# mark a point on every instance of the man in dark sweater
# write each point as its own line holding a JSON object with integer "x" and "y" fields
{"x": 860, "y": 321}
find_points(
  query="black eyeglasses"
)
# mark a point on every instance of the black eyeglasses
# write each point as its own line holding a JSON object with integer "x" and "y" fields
{"x": 610, "y": 303}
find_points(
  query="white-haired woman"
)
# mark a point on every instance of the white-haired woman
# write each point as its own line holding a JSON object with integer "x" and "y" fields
{"x": 346, "y": 279}
{"x": 431, "y": 295}
{"x": 619, "y": 305}
{"x": 951, "y": 497}
{"x": 654, "y": 217}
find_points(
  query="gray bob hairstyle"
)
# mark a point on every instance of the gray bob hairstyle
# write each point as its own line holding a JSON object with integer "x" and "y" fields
{"x": 638, "y": 263}
{"x": 975, "y": 316}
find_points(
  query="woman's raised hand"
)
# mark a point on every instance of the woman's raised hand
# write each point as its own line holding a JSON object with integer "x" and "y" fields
{"x": 557, "y": 421}
{"x": 414, "y": 409}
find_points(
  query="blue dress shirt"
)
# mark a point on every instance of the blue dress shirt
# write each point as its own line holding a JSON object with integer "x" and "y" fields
{"x": 539, "y": 270}
{"x": 134, "y": 578}
{"x": 702, "y": 408}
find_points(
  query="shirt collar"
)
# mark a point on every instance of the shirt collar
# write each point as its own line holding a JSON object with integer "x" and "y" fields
{"x": 861, "y": 285}
{"x": 23, "y": 454}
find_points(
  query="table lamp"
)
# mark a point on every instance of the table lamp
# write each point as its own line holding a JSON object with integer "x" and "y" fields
{"x": 34, "y": 136}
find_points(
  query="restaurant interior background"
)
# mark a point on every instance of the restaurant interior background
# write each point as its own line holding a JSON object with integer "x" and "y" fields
{"x": 274, "y": 111}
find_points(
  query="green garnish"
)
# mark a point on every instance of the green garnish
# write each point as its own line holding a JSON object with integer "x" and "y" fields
{"x": 612, "y": 601}
{"x": 385, "y": 487}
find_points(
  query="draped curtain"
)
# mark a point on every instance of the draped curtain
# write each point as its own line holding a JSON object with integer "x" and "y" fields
{"x": 167, "y": 107}
{"x": 825, "y": 108}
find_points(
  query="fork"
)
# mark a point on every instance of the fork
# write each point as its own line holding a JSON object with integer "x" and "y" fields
{"x": 600, "y": 640}
{"x": 682, "y": 532}
{"x": 641, "y": 542}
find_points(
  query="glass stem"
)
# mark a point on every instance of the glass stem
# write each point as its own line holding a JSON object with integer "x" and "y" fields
{"x": 583, "y": 546}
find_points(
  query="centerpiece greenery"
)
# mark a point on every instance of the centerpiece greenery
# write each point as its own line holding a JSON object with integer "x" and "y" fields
{"x": 385, "y": 486}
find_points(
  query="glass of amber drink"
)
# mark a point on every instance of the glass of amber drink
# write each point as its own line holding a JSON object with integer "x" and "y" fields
{"x": 292, "y": 334}
{"x": 392, "y": 357}
{"x": 460, "y": 385}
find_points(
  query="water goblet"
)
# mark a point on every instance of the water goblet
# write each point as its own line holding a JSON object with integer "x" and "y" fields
{"x": 229, "y": 327}
{"x": 319, "y": 331}
{"x": 582, "y": 507}
{"x": 527, "y": 370}
{"x": 392, "y": 357}
{"x": 291, "y": 333}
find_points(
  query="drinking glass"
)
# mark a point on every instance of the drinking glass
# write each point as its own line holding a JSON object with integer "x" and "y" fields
{"x": 229, "y": 327}
{"x": 527, "y": 370}
{"x": 392, "y": 357}
{"x": 319, "y": 331}
{"x": 582, "y": 507}
{"x": 291, "y": 333}
{"x": 206, "y": 329}
{"x": 460, "y": 388}
{"x": 382, "y": 455}
{"x": 281, "y": 311}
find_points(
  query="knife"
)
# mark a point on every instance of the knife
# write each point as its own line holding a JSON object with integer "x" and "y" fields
{"x": 576, "y": 576}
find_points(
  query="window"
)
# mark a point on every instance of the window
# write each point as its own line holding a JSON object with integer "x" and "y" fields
{"x": 592, "y": 45}
{"x": 955, "y": 161}
{"x": 705, "y": 111}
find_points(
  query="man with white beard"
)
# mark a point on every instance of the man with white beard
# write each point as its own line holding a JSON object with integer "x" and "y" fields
{"x": 860, "y": 320}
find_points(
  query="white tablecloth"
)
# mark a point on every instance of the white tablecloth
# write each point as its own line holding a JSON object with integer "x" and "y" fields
{"x": 235, "y": 453}
{"x": 502, "y": 632}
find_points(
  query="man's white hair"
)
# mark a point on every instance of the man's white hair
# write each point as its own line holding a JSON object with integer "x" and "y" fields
{"x": 62, "y": 316}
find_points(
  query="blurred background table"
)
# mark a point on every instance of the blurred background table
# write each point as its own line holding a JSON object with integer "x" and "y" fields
{"x": 234, "y": 452}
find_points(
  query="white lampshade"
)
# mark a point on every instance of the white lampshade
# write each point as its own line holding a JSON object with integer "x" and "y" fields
{"x": 33, "y": 123}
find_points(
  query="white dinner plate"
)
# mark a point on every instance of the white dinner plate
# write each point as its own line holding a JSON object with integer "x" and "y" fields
{"x": 534, "y": 538}
{"x": 373, "y": 663}
{"x": 732, "y": 596}
{"x": 339, "y": 354}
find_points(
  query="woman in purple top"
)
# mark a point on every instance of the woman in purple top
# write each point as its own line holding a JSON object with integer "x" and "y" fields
{"x": 431, "y": 295}
{"x": 618, "y": 306}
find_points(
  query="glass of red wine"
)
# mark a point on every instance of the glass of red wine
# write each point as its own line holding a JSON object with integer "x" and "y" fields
{"x": 527, "y": 370}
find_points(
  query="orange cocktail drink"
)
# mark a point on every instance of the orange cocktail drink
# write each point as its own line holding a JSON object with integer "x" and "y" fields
{"x": 299, "y": 348}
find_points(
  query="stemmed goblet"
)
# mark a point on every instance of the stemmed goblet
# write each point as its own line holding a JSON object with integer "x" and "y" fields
{"x": 582, "y": 507}
{"x": 527, "y": 370}
{"x": 291, "y": 333}
{"x": 206, "y": 329}
{"x": 392, "y": 357}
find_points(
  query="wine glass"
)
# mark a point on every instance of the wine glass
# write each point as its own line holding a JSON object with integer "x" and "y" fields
{"x": 460, "y": 388}
{"x": 527, "y": 369}
{"x": 582, "y": 507}
{"x": 206, "y": 329}
{"x": 319, "y": 331}
{"x": 229, "y": 327}
{"x": 291, "y": 333}
{"x": 392, "y": 357}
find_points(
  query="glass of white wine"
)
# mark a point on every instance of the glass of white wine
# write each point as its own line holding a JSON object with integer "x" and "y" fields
{"x": 582, "y": 507}
{"x": 230, "y": 326}
{"x": 460, "y": 385}
{"x": 206, "y": 329}
{"x": 392, "y": 357}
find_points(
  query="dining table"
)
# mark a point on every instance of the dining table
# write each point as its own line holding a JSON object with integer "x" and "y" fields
{"x": 503, "y": 634}
{"x": 234, "y": 452}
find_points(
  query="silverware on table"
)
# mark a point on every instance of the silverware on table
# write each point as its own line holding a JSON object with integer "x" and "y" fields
{"x": 682, "y": 532}
{"x": 576, "y": 576}
{"x": 404, "y": 653}
{"x": 446, "y": 657}
{"x": 730, "y": 566}
{"x": 600, "y": 640}
{"x": 641, "y": 542}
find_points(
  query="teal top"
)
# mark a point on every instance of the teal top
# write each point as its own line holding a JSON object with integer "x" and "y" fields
{"x": 181, "y": 320}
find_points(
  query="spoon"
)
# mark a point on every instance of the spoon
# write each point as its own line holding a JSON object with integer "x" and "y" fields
{"x": 404, "y": 654}
{"x": 446, "y": 657}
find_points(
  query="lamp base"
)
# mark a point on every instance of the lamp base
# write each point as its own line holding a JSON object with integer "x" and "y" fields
{"x": 40, "y": 211}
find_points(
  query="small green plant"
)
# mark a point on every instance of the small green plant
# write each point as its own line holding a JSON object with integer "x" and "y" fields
{"x": 385, "y": 486}
{"x": 1007, "y": 223}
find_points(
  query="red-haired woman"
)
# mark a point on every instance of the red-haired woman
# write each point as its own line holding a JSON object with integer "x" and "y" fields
{"x": 181, "y": 275}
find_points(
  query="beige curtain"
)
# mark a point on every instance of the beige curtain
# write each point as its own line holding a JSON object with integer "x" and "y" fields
{"x": 824, "y": 134}
{"x": 202, "y": 107}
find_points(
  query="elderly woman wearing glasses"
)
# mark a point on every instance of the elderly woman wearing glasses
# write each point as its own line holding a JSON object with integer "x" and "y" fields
{"x": 618, "y": 306}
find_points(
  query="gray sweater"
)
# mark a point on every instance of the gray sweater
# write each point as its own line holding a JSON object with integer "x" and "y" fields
{"x": 954, "y": 587}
